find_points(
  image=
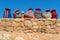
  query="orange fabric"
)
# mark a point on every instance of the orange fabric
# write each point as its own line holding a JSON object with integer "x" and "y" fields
{"x": 22, "y": 16}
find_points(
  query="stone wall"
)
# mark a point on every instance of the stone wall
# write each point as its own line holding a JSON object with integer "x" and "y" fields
{"x": 30, "y": 25}
{"x": 43, "y": 29}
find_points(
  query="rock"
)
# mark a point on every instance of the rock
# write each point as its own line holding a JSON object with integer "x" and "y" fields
{"x": 53, "y": 22}
{"x": 57, "y": 29}
{"x": 0, "y": 20}
{"x": 47, "y": 23}
{"x": 40, "y": 23}
{"x": 48, "y": 19}
{"x": 7, "y": 36}
{"x": 18, "y": 19}
{"x": 34, "y": 23}
{"x": 53, "y": 31}
{"x": 28, "y": 23}
{"x": 52, "y": 26}
{"x": 19, "y": 38}
{"x": 58, "y": 21}
{"x": 41, "y": 26}
{"x": 35, "y": 39}
{"x": 35, "y": 26}
{"x": 58, "y": 24}
{"x": 6, "y": 22}
{"x": 9, "y": 29}
{"x": 16, "y": 23}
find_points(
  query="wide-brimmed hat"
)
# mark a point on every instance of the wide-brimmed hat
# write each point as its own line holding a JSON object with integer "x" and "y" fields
{"x": 38, "y": 9}
{"x": 47, "y": 11}
{"x": 7, "y": 9}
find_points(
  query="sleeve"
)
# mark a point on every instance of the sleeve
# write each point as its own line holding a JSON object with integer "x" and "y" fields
{"x": 50, "y": 15}
{"x": 35, "y": 14}
{"x": 14, "y": 15}
{"x": 56, "y": 15}
{"x": 43, "y": 15}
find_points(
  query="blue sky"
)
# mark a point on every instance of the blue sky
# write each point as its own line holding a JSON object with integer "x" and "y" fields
{"x": 25, "y": 4}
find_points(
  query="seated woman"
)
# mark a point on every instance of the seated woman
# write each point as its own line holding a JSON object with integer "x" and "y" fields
{"x": 16, "y": 14}
{"x": 54, "y": 14}
{"x": 47, "y": 14}
{"x": 38, "y": 13}
{"x": 29, "y": 13}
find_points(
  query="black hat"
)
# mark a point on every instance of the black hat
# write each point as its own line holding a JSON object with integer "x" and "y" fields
{"x": 38, "y": 9}
{"x": 7, "y": 9}
{"x": 30, "y": 9}
{"x": 47, "y": 10}
{"x": 53, "y": 11}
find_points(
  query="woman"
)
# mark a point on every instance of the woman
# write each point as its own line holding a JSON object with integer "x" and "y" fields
{"x": 16, "y": 14}
{"x": 29, "y": 13}
{"x": 54, "y": 14}
{"x": 47, "y": 14}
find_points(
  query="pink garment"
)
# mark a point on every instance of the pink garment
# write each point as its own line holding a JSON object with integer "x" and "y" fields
{"x": 30, "y": 13}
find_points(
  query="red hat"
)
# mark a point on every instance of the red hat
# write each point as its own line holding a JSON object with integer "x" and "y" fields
{"x": 38, "y": 9}
{"x": 7, "y": 9}
{"x": 47, "y": 10}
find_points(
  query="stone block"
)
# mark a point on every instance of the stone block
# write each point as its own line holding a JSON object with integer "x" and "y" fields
{"x": 47, "y": 23}
{"x": 41, "y": 26}
{"x": 15, "y": 23}
{"x": 18, "y": 19}
{"x": 58, "y": 24}
{"x": 53, "y": 26}
{"x": 28, "y": 23}
{"x": 19, "y": 38}
{"x": 34, "y": 23}
{"x": 58, "y": 21}
{"x": 48, "y": 19}
{"x": 53, "y": 22}
{"x": 57, "y": 30}
{"x": 53, "y": 31}
{"x": 40, "y": 23}
{"x": 35, "y": 27}
{"x": 7, "y": 36}
{"x": 9, "y": 29}
{"x": 6, "y": 22}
